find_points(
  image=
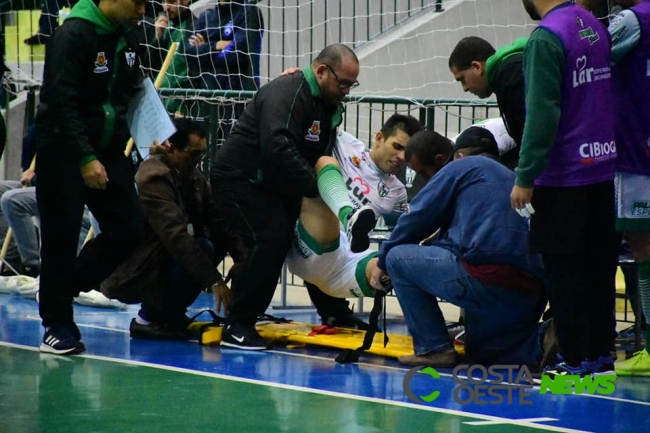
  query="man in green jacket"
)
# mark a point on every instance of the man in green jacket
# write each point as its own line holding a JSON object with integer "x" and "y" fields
{"x": 92, "y": 70}
{"x": 482, "y": 70}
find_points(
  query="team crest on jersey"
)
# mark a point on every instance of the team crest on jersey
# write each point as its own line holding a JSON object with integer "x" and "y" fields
{"x": 314, "y": 131}
{"x": 355, "y": 161}
{"x": 101, "y": 63}
{"x": 227, "y": 31}
{"x": 382, "y": 189}
{"x": 130, "y": 58}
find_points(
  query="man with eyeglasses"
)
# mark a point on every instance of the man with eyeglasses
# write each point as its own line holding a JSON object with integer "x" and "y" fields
{"x": 184, "y": 239}
{"x": 265, "y": 168}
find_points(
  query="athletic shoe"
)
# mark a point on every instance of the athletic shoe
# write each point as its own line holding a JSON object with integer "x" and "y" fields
{"x": 360, "y": 222}
{"x": 602, "y": 366}
{"x": 561, "y": 368}
{"x": 243, "y": 337}
{"x": 348, "y": 321}
{"x": 61, "y": 340}
{"x": 637, "y": 365}
{"x": 156, "y": 331}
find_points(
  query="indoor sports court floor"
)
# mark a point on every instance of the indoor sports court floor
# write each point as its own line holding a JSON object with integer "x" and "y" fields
{"x": 124, "y": 385}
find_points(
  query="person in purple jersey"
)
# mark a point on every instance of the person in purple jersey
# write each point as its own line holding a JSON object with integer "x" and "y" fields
{"x": 630, "y": 54}
{"x": 565, "y": 178}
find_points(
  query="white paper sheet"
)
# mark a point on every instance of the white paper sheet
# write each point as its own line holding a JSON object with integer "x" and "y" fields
{"x": 148, "y": 120}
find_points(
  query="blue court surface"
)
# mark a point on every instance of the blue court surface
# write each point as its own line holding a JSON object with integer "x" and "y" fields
{"x": 124, "y": 385}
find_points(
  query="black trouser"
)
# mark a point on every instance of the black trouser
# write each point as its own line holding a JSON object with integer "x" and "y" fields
{"x": 574, "y": 230}
{"x": 176, "y": 291}
{"x": 265, "y": 221}
{"x": 328, "y": 306}
{"x": 61, "y": 195}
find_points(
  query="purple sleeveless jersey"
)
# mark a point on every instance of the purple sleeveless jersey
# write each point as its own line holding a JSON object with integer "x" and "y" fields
{"x": 584, "y": 151}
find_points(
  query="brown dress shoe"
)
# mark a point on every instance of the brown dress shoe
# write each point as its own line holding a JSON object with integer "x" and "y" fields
{"x": 431, "y": 359}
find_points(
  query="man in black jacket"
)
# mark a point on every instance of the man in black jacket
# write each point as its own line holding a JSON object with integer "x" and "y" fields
{"x": 482, "y": 70}
{"x": 266, "y": 166}
{"x": 92, "y": 70}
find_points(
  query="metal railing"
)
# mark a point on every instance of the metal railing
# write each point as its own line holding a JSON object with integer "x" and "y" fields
{"x": 363, "y": 117}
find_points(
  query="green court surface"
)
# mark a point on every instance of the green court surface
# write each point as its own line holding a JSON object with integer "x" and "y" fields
{"x": 47, "y": 393}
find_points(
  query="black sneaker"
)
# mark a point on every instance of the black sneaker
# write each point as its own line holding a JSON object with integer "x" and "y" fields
{"x": 60, "y": 340}
{"x": 360, "y": 223}
{"x": 243, "y": 337}
{"x": 348, "y": 321}
{"x": 156, "y": 331}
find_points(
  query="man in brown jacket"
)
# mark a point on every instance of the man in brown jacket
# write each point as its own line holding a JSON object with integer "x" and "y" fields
{"x": 184, "y": 240}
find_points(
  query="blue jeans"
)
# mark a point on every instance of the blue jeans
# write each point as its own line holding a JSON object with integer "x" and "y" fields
{"x": 20, "y": 209}
{"x": 501, "y": 326}
{"x": 12, "y": 253}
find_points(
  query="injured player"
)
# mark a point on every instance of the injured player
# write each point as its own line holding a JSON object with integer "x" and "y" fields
{"x": 359, "y": 181}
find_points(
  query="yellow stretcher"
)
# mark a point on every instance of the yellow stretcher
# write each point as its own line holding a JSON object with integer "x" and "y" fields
{"x": 301, "y": 334}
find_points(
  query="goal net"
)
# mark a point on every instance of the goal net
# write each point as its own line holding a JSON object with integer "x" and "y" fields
{"x": 403, "y": 46}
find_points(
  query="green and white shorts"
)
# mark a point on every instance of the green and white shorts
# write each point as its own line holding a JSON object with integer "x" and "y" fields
{"x": 632, "y": 201}
{"x": 335, "y": 269}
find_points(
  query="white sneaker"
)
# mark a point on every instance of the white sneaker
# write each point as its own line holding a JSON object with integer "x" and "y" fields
{"x": 95, "y": 298}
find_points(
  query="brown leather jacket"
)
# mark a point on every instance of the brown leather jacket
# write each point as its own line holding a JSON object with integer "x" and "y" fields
{"x": 166, "y": 200}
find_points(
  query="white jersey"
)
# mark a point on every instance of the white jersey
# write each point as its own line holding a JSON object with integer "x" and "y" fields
{"x": 500, "y": 133}
{"x": 367, "y": 184}
{"x": 339, "y": 272}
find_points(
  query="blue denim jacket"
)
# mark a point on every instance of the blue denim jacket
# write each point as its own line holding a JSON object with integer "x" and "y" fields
{"x": 469, "y": 201}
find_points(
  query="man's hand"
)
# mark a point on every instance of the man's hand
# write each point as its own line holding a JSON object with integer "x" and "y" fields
{"x": 520, "y": 199}
{"x": 158, "y": 148}
{"x": 196, "y": 39}
{"x": 26, "y": 177}
{"x": 221, "y": 45}
{"x": 94, "y": 175}
{"x": 289, "y": 71}
{"x": 377, "y": 279}
{"x": 222, "y": 296}
{"x": 161, "y": 24}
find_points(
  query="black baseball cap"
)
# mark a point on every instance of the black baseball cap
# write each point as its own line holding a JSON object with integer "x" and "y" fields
{"x": 476, "y": 136}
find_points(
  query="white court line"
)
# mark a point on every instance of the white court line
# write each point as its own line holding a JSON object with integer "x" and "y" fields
{"x": 491, "y": 419}
{"x": 387, "y": 367}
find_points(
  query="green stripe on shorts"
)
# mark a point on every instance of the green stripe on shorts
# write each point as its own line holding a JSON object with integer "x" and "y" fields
{"x": 313, "y": 244}
{"x": 360, "y": 275}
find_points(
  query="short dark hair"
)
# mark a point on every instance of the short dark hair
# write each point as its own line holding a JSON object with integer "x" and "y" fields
{"x": 184, "y": 128}
{"x": 333, "y": 54}
{"x": 401, "y": 122}
{"x": 468, "y": 50}
{"x": 425, "y": 145}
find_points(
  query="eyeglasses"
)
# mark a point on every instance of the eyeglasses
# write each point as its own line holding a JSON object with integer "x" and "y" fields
{"x": 196, "y": 153}
{"x": 343, "y": 84}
